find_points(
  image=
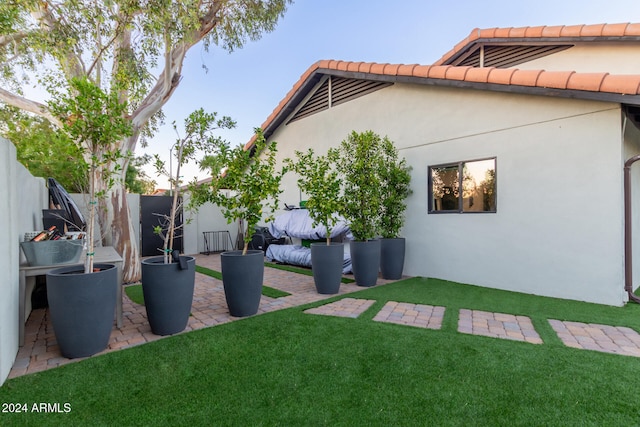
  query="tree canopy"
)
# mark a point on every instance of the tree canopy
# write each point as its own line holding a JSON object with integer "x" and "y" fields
{"x": 43, "y": 150}
{"x": 135, "y": 48}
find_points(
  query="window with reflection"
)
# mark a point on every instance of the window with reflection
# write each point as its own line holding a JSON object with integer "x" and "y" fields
{"x": 463, "y": 187}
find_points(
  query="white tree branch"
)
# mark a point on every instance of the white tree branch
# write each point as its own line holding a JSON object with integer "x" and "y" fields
{"x": 13, "y": 38}
{"x": 161, "y": 91}
{"x": 29, "y": 105}
{"x": 169, "y": 78}
{"x": 72, "y": 64}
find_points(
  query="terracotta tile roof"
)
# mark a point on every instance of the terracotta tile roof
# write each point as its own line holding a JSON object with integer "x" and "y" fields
{"x": 557, "y": 33}
{"x": 602, "y": 86}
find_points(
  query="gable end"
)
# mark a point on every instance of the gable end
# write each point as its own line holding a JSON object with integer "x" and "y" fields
{"x": 501, "y": 56}
{"x": 334, "y": 91}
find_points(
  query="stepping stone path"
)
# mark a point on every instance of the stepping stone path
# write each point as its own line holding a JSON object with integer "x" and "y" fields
{"x": 587, "y": 336}
{"x": 346, "y": 307}
{"x": 498, "y": 325}
{"x": 402, "y": 313}
{"x": 590, "y": 336}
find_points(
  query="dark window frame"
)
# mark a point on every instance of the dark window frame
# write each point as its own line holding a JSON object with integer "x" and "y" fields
{"x": 460, "y": 166}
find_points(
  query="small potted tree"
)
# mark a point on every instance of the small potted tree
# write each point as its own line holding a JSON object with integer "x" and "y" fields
{"x": 168, "y": 280}
{"x": 395, "y": 178}
{"x": 320, "y": 181}
{"x": 359, "y": 162}
{"x": 244, "y": 181}
{"x": 82, "y": 299}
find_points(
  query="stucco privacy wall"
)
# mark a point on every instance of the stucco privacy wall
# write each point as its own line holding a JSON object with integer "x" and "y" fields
{"x": 23, "y": 198}
{"x": 8, "y": 261}
{"x": 558, "y": 229}
{"x": 209, "y": 217}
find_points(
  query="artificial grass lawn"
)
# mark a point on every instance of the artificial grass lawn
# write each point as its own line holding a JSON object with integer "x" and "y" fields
{"x": 292, "y": 368}
{"x": 134, "y": 292}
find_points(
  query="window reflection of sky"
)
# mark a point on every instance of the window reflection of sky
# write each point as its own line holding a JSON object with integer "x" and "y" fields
{"x": 477, "y": 170}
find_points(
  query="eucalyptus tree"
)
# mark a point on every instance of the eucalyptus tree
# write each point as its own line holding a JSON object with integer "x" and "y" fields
{"x": 134, "y": 47}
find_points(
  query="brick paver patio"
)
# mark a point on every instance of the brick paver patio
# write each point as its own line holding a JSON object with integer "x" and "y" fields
{"x": 209, "y": 308}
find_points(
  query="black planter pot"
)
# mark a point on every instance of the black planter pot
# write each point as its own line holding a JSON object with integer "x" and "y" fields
{"x": 326, "y": 264}
{"x": 242, "y": 277}
{"x": 168, "y": 294}
{"x": 82, "y": 308}
{"x": 392, "y": 258}
{"x": 365, "y": 261}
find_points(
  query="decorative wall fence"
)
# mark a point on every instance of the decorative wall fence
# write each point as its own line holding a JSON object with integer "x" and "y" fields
{"x": 23, "y": 197}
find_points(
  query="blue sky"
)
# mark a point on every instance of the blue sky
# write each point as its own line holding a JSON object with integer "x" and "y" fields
{"x": 249, "y": 83}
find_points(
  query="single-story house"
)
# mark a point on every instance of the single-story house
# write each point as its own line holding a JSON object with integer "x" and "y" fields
{"x": 518, "y": 139}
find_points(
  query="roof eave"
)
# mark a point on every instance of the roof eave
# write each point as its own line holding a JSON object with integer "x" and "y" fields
{"x": 291, "y": 105}
{"x": 315, "y": 77}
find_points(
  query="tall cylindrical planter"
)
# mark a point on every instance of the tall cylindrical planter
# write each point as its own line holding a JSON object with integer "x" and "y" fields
{"x": 365, "y": 261}
{"x": 168, "y": 294}
{"x": 326, "y": 265}
{"x": 392, "y": 258}
{"x": 242, "y": 277}
{"x": 82, "y": 307}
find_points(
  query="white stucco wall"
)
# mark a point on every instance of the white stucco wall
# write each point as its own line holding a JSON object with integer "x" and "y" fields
{"x": 8, "y": 261}
{"x": 23, "y": 198}
{"x": 208, "y": 218}
{"x": 33, "y": 197}
{"x": 558, "y": 230}
{"x": 613, "y": 58}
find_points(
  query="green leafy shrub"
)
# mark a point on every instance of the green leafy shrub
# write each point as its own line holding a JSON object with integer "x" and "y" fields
{"x": 319, "y": 179}
{"x": 395, "y": 177}
{"x": 359, "y": 161}
{"x": 249, "y": 174}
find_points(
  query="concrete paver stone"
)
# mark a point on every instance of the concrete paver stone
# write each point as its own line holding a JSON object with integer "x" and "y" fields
{"x": 497, "y": 325}
{"x": 422, "y": 316}
{"x": 590, "y": 336}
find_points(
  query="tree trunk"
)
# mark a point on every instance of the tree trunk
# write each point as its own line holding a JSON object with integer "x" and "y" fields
{"x": 117, "y": 230}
